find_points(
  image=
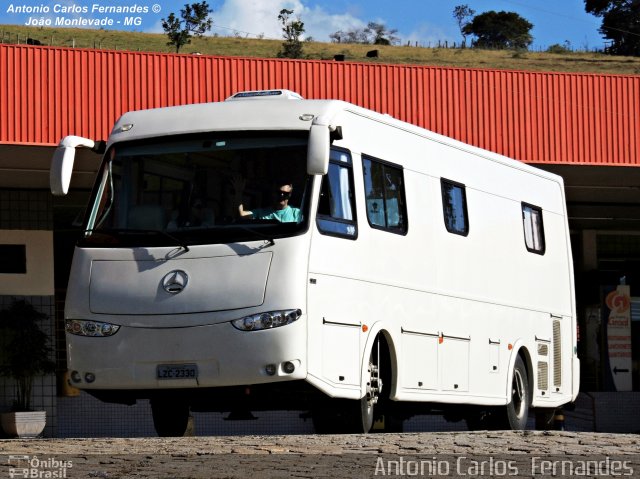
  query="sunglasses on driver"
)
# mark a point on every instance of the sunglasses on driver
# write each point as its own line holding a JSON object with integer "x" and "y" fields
{"x": 283, "y": 195}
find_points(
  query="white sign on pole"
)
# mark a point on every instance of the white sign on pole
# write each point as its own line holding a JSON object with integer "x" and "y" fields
{"x": 619, "y": 337}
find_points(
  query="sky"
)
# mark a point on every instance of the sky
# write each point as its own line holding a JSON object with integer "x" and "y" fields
{"x": 425, "y": 22}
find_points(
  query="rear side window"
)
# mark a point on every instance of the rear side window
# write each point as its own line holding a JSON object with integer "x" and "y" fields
{"x": 454, "y": 207}
{"x": 336, "y": 207}
{"x": 533, "y": 228}
{"x": 385, "y": 196}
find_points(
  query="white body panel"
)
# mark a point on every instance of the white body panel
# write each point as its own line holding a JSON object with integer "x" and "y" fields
{"x": 452, "y": 305}
{"x": 456, "y": 310}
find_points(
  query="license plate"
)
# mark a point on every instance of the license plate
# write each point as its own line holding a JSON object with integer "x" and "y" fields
{"x": 177, "y": 371}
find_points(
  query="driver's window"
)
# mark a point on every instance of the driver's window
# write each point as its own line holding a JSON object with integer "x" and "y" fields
{"x": 336, "y": 205}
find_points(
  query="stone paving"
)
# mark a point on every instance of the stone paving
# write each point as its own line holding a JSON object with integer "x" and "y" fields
{"x": 477, "y": 454}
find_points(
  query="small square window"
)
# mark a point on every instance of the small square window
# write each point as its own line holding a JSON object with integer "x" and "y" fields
{"x": 533, "y": 228}
{"x": 454, "y": 206}
{"x": 13, "y": 259}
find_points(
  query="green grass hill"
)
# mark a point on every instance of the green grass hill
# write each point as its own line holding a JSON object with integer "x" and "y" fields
{"x": 244, "y": 47}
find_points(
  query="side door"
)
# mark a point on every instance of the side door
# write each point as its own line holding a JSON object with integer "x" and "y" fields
{"x": 334, "y": 324}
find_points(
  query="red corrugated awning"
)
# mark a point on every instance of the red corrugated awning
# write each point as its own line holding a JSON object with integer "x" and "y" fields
{"x": 563, "y": 118}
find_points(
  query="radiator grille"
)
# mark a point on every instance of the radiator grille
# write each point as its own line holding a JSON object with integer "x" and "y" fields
{"x": 543, "y": 350}
{"x": 543, "y": 375}
{"x": 557, "y": 355}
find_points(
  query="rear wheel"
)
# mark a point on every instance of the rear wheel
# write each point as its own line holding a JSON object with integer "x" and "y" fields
{"x": 514, "y": 415}
{"x": 170, "y": 418}
{"x": 516, "y": 412}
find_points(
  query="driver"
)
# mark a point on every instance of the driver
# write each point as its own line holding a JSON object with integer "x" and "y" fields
{"x": 279, "y": 209}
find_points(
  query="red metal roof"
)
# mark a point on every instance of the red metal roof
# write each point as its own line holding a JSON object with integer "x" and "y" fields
{"x": 47, "y": 93}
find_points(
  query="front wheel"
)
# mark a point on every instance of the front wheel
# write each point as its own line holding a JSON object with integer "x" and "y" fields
{"x": 348, "y": 416}
{"x": 373, "y": 390}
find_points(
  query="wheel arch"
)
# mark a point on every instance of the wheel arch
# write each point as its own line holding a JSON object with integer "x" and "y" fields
{"x": 388, "y": 350}
{"x": 525, "y": 354}
{"x": 520, "y": 350}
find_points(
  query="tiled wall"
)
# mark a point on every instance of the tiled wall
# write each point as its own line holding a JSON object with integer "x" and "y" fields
{"x": 30, "y": 210}
{"x": 25, "y": 210}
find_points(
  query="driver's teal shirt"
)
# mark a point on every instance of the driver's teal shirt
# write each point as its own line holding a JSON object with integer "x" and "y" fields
{"x": 286, "y": 215}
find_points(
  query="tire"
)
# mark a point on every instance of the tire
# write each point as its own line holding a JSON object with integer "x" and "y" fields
{"x": 373, "y": 386}
{"x": 170, "y": 419}
{"x": 516, "y": 413}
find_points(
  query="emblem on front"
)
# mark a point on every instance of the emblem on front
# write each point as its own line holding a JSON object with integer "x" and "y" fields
{"x": 175, "y": 281}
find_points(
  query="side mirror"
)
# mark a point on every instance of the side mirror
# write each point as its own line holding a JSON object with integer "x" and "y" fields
{"x": 62, "y": 163}
{"x": 319, "y": 147}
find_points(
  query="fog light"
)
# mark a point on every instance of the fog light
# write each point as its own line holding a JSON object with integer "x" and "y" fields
{"x": 270, "y": 369}
{"x": 288, "y": 367}
{"x": 75, "y": 376}
{"x": 89, "y": 377}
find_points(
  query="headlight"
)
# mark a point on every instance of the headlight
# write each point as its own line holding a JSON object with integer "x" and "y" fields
{"x": 81, "y": 327}
{"x": 270, "y": 320}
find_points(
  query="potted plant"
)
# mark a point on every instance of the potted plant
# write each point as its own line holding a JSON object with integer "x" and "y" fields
{"x": 24, "y": 354}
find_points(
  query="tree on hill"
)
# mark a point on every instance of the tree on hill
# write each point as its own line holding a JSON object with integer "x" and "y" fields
{"x": 292, "y": 31}
{"x": 196, "y": 22}
{"x": 381, "y": 35}
{"x": 373, "y": 34}
{"x": 500, "y": 30}
{"x": 463, "y": 14}
{"x": 620, "y": 24}
{"x": 355, "y": 35}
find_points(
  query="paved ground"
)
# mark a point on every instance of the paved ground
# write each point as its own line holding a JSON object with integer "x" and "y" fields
{"x": 478, "y": 454}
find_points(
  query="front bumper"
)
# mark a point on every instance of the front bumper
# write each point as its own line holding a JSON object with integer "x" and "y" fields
{"x": 224, "y": 356}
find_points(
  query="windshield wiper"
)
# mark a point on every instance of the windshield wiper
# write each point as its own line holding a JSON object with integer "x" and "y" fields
{"x": 118, "y": 231}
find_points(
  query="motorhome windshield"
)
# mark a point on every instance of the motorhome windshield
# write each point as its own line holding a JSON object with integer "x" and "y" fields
{"x": 217, "y": 188}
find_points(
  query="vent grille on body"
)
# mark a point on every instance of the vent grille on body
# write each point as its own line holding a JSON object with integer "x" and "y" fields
{"x": 543, "y": 375}
{"x": 557, "y": 355}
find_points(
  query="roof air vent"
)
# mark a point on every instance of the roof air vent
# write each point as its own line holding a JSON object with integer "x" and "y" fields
{"x": 265, "y": 95}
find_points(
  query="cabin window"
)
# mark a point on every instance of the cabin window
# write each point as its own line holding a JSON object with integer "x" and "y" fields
{"x": 454, "y": 206}
{"x": 336, "y": 207}
{"x": 385, "y": 196}
{"x": 533, "y": 228}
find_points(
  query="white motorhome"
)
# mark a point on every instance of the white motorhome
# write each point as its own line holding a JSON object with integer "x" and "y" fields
{"x": 418, "y": 270}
